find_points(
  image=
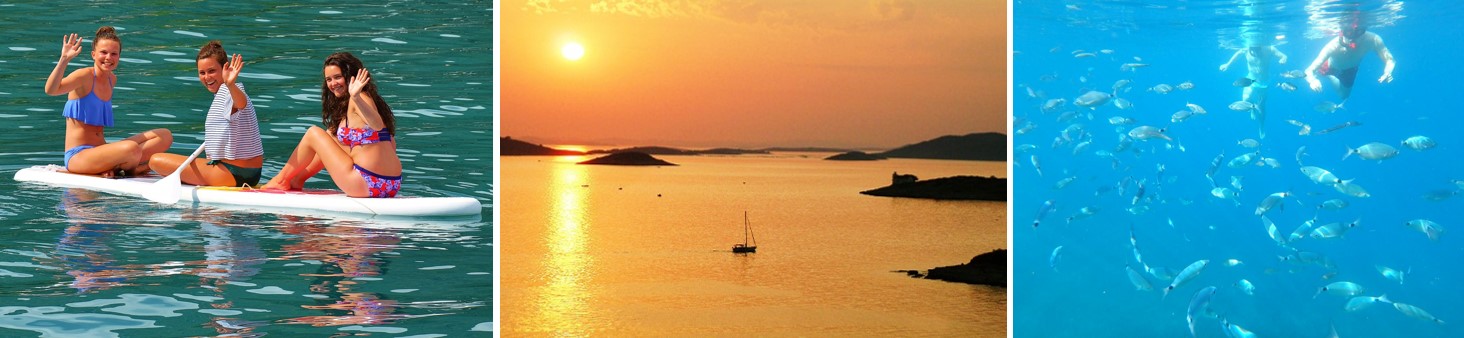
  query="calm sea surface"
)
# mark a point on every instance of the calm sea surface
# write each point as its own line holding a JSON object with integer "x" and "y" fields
{"x": 645, "y": 251}
{"x": 79, "y": 264}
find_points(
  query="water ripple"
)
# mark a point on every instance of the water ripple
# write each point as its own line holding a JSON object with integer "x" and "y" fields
{"x": 190, "y": 33}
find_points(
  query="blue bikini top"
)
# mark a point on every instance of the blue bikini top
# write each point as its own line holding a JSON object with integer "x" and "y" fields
{"x": 90, "y": 109}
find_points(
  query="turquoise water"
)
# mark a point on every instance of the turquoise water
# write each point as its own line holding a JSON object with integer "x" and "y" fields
{"x": 1177, "y": 221}
{"x": 80, "y": 264}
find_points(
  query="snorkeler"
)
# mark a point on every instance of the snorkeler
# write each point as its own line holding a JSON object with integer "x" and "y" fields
{"x": 1258, "y": 64}
{"x": 1340, "y": 57}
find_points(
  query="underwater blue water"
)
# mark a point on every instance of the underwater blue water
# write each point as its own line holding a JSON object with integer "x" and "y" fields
{"x": 1085, "y": 291}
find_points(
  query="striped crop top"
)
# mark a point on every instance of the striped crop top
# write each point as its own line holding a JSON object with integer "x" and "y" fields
{"x": 231, "y": 136}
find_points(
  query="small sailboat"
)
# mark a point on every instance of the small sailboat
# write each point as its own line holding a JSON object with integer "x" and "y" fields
{"x": 746, "y": 246}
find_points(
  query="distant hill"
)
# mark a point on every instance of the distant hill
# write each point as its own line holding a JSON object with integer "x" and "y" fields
{"x": 971, "y": 147}
{"x": 511, "y": 147}
{"x": 628, "y": 158}
{"x": 948, "y": 188}
{"x": 808, "y": 149}
{"x": 984, "y": 269}
{"x": 656, "y": 150}
{"x": 855, "y": 156}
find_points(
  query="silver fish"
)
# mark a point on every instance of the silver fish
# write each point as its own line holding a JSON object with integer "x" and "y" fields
{"x": 1427, "y": 227}
{"x": 1120, "y": 120}
{"x": 1419, "y": 143}
{"x": 1063, "y": 183}
{"x": 1235, "y": 331}
{"x": 1242, "y": 106}
{"x": 1302, "y": 230}
{"x": 1344, "y": 289}
{"x": 1185, "y": 85}
{"x": 1161, "y": 88}
{"x": 1196, "y": 108}
{"x": 1333, "y": 204}
{"x": 1249, "y": 143}
{"x": 1372, "y": 151}
{"x": 1319, "y": 175}
{"x": 1200, "y": 302}
{"x": 1392, "y": 274}
{"x": 1042, "y": 212}
{"x": 1037, "y": 165}
{"x": 1305, "y": 128}
{"x": 1081, "y": 146}
{"x": 1362, "y": 302}
{"x": 1140, "y": 283}
{"x": 1334, "y": 230}
{"x": 1415, "y": 312}
{"x": 1307, "y": 257}
{"x": 1351, "y": 189}
{"x": 1053, "y": 104}
{"x": 1120, "y": 84}
{"x": 1235, "y": 183}
{"x": 1243, "y": 159}
{"x": 1294, "y": 74}
{"x": 1225, "y": 194}
{"x": 1144, "y": 133}
{"x": 1122, "y": 104}
{"x": 1092, "y": 99}
{"x": 1052, "y": 260}
{"x": 1246, "y": 286}
{"x": 1187, "y": 274}
{"x": 1272, "y": 232}
{"x": 1129, "y": 67}
{"x": 1339, "y": 127}
{"x": 1327, "y": 107}
{"x": 1286, "y": 86}
{"x": 1180, "y": 116}
{"x": 1022, "y": 148}
{"x": 1270, "y": 201}
{"x": 1083, "y": 212}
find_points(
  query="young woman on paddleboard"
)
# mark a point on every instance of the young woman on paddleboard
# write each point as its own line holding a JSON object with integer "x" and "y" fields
{"x": 357, "y": 146}
{"x": 88, "y": 112}
{"x": 231, "y": 130}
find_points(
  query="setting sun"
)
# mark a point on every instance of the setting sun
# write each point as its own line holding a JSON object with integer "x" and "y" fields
{"x": 573, "y": 51}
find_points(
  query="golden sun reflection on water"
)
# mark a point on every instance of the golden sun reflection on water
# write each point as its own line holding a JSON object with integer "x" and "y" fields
{"x": 563, "y": 305}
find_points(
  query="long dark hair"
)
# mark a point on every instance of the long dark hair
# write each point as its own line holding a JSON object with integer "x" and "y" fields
{"x": 333, "y": 109}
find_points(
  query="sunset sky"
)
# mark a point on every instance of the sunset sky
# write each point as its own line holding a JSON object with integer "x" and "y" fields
{"x": 749, "y": 73}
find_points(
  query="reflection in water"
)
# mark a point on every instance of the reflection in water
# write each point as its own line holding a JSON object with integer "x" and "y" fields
{"x": 83, "y": 249}
{"x": 231, "y": 256}
{"x": 563, "y": 305}
{"x": 347, "y": 253}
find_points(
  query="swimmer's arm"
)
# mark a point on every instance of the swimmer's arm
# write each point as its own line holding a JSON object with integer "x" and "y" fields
{"x": 1387, "y": 61}
{"x": 1279, "y": 54}
{"x": 57, "y": 84}
{"x": 1232, "y": 59}
{"x": 1326, "y": 52}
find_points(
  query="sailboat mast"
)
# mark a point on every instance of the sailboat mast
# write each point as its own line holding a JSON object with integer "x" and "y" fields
{"x": 746, "y": 228}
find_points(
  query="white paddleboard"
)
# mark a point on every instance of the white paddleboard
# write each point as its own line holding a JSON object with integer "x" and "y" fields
{"x": 310, "y": 199}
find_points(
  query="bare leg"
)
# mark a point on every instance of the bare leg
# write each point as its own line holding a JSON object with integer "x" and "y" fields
{"x": 151, "y": 142}
{"x": 1342, "y": 91}
{"x": 103, "y": 159}
{"x": 317, "y": 149}
{"x": 197, "y": 173}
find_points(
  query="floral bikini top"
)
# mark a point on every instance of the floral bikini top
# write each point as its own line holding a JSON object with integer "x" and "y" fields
{"x": 353, "y": 137}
